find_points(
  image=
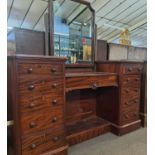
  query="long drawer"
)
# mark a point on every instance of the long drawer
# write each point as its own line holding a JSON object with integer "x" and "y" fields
{"x": 74, "y": 83}
{"x": 40, "y": 68}
{"x": 36, "y": 122}
{"x": 40, "y": 143}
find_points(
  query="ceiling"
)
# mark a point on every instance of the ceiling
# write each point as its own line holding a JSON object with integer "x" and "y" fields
{"x": 112, "y": 16}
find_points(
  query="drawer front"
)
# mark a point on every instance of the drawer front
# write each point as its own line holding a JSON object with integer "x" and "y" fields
{"x": 132, "y": 68}
{"x": 129, "y": 104}
{"x": 41, "y": 87}
{"x": 129, "y": 116}
{"x": 130, "y": 81}
{"x": 41, "y": 143}
{"x": 90, "y": 82}
{"x": 130, "y": 92}
{"x": 40, "y": 121}
{"x": 40, "y": 102}
{"x": 31, "y": 68}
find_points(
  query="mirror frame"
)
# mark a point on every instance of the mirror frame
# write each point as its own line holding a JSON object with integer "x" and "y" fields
{"x": 51, "y": 22}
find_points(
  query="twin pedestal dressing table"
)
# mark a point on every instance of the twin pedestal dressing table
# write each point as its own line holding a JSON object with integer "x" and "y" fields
{"x": 54, "y": 105}
{"x": 53, "y": 108}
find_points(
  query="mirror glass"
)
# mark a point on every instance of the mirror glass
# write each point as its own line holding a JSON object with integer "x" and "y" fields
{"x": 73, "y": 31}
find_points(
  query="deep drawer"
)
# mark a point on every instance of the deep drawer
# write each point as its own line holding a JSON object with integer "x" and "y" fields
{"x": 129, "y": 117}
{"x": 41, "y": 86}
{"x": 39, "y": 102}
{"x": 34, "y": 68}
{"x": 31, "y": 123}
{"x": 41, "y": 143}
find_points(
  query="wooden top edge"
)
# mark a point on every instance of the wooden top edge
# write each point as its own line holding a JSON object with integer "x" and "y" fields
{"x": 78, "y": 65}
{"x": 89, "y": 74}
{"x": 121, "y": 61}
{"x": 36, "y": 57}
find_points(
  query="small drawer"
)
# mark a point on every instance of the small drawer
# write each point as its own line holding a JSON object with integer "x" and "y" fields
{"x": 40, "y": 102}
{"x": 34, "y": 68}
{"x": 130, "y": 81}
{"x": 132, "y": 68}
{"x": 130, "y": 103}
{"x": 31, "y": 123}
{"x": 130, "y": 92}
{"x": 41, "y": 86}
{"x": 40, "y": 143}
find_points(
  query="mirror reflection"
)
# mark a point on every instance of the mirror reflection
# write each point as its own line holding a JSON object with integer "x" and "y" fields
{"x": 72, "y": 31}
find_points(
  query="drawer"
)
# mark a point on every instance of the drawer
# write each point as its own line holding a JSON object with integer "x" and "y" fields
{"x": 129, "y": 93}
{"x": 40, "y": 102}
{"x": 129, "y": 116}
{"x": 130, "y": 81}
{"x": 132, "y": 68}
{"x": 73, "y": 83}
{"x": 39, "y": 68}
{"x": 41, "y": 143}
{"x": 41, "y": 86}
{"x": 31, "y": 123}
{"x": 128, "y": 104}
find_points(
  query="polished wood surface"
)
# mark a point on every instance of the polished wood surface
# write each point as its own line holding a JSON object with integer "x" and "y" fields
{"x": 38, "y": 101}
{"x": 125, "y": 107}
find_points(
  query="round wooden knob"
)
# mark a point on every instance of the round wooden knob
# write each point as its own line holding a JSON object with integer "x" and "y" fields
{"x": 55, "y": 139}
{"x": 31, "y": 87}
{"x": 33, "y": 146}
{"x": 54, "y": 85}
{"x": 29, "y": 70}
{"x": 32, "y": 105}
{"x": 54, "y": 119}
{"x": 32, "y": 124}
{"x": 127, "y": 80}
{"x": 127, "y": 91}
{"x": 127, "y": 103}
{"x": 137, "y": 79}
{"x": 53, "y": 70}
{"x": 135, "y": 101}
{"x": 129, "y": 69}
{"x": 54, "y": 102}
{"x": 126, "y": 116}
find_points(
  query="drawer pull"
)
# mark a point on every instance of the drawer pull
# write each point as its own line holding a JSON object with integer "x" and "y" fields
{"x": 129, "y": 69}
{"x": 127, "y": 80}
{"x": 30, "y": 70}
{"x": 31, "y": 87}
{"x": 32, "y": 105}
{"x": 54, "y": 102}
{"x": 54, "y": 119}
{"x": 139, "y": 69}
{"x": 32, "y": 124}
{"x": 127, "y": 91}
{"x": 54, "y": 85}
{"x": 53, "y": 70}
{"x": 55, "y": 139}
{"x": 135, "y": 101}
{"x": 136, "y": 90}
{"x": 33, "y": 146}
{"x": 94, "y": 86}
{"x": 126, "y": 116}
{"x": 127, "y": 103}
{"x": 137, "y": 79}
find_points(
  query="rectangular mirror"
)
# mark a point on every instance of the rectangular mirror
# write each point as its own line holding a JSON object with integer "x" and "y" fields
{"x": 73, "y": 31}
